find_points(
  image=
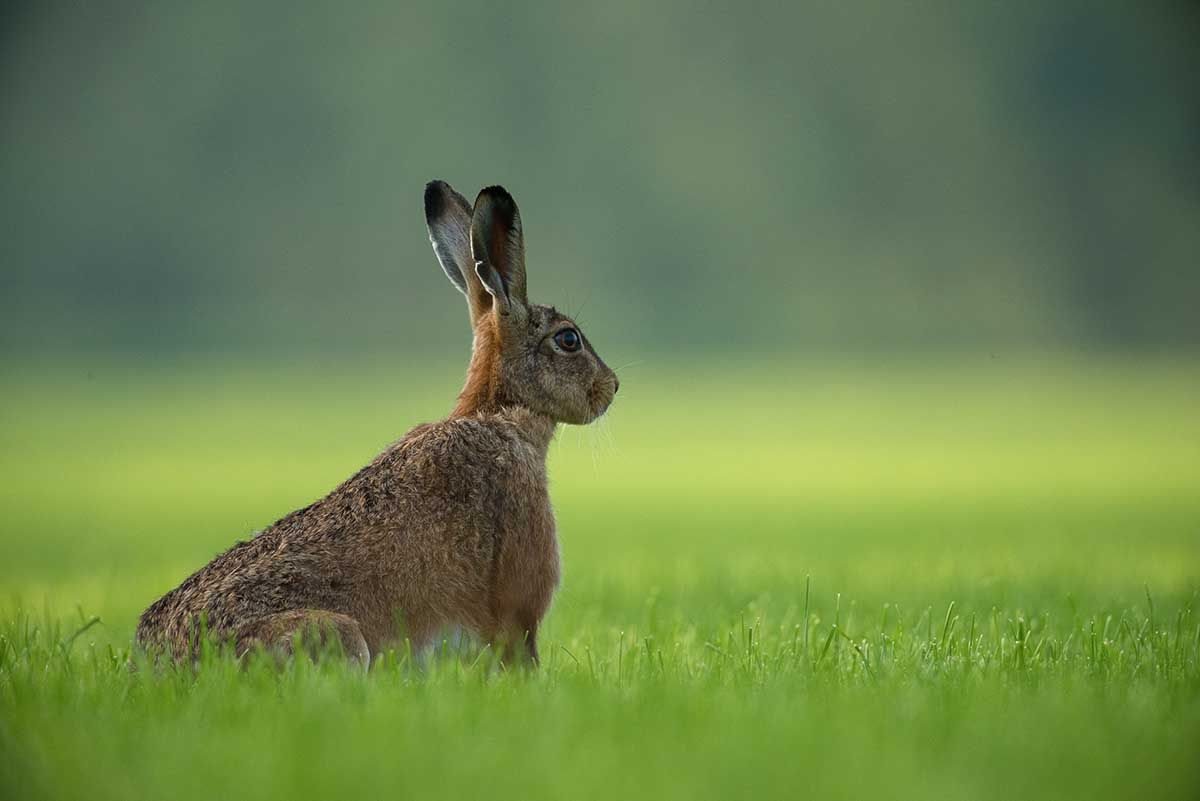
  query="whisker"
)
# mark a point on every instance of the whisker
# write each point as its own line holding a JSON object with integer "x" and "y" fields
{"x": 595, "y": 462}
{"x": 579, "y": 311}
{"x": 606, "y": 431}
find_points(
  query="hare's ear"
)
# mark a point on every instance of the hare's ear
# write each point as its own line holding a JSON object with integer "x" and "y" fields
{"x": 448, "y": 218}
{"x": 498, "y": 248}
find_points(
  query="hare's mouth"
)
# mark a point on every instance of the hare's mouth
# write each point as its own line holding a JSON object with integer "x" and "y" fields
{"x": 600, "y": 398}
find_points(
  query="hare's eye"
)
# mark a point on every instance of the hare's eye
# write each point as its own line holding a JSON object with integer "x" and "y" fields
{"x": 568, "y": 339}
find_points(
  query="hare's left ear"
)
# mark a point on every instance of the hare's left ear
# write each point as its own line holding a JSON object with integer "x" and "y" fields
{"x": 498, "y": 248}
{"x": 448, "y": 217}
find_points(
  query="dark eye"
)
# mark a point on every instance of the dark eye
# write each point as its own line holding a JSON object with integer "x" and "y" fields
{"x": 568, "y": 339}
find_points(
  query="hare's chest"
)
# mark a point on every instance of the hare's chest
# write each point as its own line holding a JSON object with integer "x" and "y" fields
{"x": 528, "y": 542}
{"x": 526, "y": 497}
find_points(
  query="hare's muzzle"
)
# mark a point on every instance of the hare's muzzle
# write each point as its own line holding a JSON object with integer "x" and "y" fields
{"x": 601, "y": 395}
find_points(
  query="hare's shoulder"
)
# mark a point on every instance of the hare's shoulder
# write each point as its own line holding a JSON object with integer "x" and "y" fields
{"x": 478, "y": 444}
{"x": 464, "y": 456}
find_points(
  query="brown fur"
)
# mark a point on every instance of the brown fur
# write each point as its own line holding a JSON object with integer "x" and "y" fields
{"x": 451, "y": 525}
{"x": 483, "y": 373}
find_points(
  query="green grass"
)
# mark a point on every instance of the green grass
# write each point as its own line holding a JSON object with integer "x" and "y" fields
{"x": 961, "y": 580}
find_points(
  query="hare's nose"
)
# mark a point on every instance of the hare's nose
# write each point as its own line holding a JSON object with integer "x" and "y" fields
{"x": 616, "y": 384}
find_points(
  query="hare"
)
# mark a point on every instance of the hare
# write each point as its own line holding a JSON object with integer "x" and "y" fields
{"x": 451, "y": 525}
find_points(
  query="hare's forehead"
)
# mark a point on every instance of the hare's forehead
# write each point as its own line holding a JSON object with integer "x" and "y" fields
{"x": 543, "y": 317}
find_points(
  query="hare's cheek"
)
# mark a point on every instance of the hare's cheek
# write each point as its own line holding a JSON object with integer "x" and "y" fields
{"x": 557, "y": 395}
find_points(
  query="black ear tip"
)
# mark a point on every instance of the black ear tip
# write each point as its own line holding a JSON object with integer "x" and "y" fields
{"x": 495, "y": 190}
{"x": 436, "y": 194}
{"x": 498, "y": 195}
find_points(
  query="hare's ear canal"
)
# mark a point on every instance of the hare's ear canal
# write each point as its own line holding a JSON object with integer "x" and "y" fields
{"x": 498, "y": 248}
{"x": 448, "y": 217}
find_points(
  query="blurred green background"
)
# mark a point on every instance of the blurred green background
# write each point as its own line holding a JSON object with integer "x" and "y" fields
{"x": 903, "y": 300}
{"x": 773, "y": 178}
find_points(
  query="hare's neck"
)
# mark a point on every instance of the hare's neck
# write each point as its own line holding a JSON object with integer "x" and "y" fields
{"x": 482, "y": 391}
{"x": 536, "y": 429}
{"x": 483, "y": 394}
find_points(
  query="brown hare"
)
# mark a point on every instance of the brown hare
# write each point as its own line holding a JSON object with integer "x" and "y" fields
{"x": 450, "y": 526}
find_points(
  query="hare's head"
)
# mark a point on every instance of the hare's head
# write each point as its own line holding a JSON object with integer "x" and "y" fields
{"x": 524, "y": 354}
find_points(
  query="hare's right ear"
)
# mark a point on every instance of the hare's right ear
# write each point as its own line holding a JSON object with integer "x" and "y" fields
{"x": 448, "y": 218}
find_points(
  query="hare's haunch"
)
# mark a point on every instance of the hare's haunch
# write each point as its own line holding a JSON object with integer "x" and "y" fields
{"x": 451, "y": 525}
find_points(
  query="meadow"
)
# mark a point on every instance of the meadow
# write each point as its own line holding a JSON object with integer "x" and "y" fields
{"x": 966, "y": 578}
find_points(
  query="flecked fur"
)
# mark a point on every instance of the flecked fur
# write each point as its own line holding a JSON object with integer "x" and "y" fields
{"x": 451, "y": 525}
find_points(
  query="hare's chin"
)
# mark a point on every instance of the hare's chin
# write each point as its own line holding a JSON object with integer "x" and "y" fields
{"x": 599, "y": 399}
{"x": 599, "y": 409}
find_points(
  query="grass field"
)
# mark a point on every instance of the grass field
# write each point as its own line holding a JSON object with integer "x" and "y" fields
{"x": 975, "y": 579}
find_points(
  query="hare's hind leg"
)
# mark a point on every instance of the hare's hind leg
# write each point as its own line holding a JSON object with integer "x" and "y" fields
{"x": 315, "y": 628}
{"x": 515, "y": 641}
